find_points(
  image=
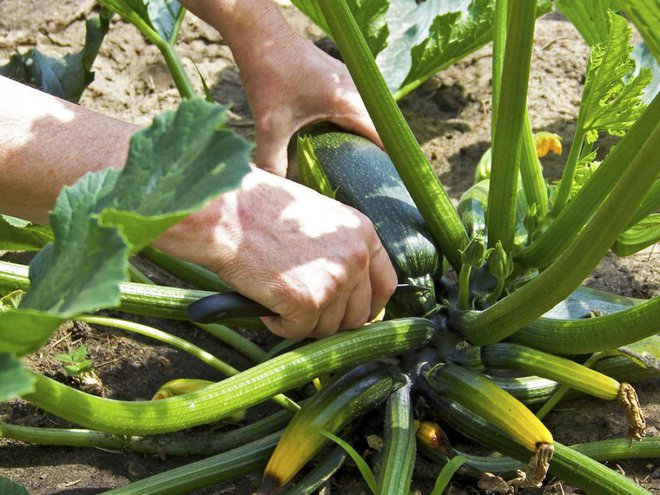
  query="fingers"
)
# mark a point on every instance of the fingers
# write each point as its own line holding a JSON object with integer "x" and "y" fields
{"x": 344, "y": 310}
{"x": 383, "y": 280}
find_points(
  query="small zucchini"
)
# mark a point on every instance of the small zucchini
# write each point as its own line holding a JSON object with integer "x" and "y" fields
{"x": 332, "y": 408}
{"x": 363, "y": 176}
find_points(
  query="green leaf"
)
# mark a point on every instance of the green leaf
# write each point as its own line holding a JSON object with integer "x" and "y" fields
{"x": 65, "y": 77}
{"x": 8, "y": 487}
{"x": 646, "y": 352}
{"x": 645, "y": 15}
{"x": 311, "y": 173}
{"x": 11, "y": 301}
{"x": 446, "y": 474}
{"x": 641, "y": 235}
{"x": 14, "y": 382}
{"x": 21, "y": 235}
{"x": 610, "y": 102}
{"x": 645, "y": 59}
{"x": 365, "y": 471}
{"x": 459, "y": 29}
{"x": 82, "y": 269}
{"x": 24, "y": 331}
{"x": 165, "y": 17}
{"x": 174, "y": 166}
{"x": 177, "y": 164}
{"x": 369, "y": 15}
{"x": 162, "y": 17}
{"x": 590, "y": 17}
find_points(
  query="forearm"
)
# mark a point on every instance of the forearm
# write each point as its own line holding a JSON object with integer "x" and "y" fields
{"x": 255, "y": 30}
{"x": 47, "y": 143}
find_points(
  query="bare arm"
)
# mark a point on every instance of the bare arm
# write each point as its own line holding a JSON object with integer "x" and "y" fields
{"x": 288, "y": 81}
{"x": 317, "y": 263}
{"x": 46, "y": 143}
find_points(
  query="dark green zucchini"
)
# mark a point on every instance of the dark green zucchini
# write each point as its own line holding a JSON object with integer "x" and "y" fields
{"x": 364, "y": 177}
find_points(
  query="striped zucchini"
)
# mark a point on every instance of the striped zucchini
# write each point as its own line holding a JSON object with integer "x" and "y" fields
{"x": 363, "y": 176}
{"x": 332, "y": 408}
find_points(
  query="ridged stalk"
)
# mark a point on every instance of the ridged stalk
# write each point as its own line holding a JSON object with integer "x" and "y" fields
{"x": 223, "y": 467}
{"x": 140, "y": 299}
{"x": 501, "y": 217}
{"x": 587, "y": 335}
{"x": 399, "y": 454}
{"x": 183, "y": 345}
{"x": 180, "y": 444}
{"x": 641, "y": 145}
{"x": 238, "y": 392}
{"x": 418, "y": 176}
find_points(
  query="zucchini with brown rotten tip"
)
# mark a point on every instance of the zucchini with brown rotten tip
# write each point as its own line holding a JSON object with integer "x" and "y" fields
{"x": 364, "y": 177}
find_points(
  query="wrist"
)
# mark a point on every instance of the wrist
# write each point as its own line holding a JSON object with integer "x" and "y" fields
{"x": 254, "y": 30}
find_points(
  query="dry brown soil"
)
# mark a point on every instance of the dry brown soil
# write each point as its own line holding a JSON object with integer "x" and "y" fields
{"x": 450, "y": 116}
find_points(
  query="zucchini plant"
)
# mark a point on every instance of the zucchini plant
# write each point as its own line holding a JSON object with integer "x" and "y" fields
{"x": 500, "y": 274}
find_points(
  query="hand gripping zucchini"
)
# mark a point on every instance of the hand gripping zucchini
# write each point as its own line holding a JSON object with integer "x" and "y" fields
{"x": 364, "y": 177}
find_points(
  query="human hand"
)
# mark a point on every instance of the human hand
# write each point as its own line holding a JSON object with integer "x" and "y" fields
{"x": 288, "y": 81}
{"x": 287, "y": 92}
{"x": 317, "y": 263}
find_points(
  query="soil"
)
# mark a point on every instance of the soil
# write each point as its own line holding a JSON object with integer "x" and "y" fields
{"x": 450, "y": 115}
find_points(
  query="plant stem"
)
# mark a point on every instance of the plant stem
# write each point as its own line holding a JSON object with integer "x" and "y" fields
{"x": 600, "y": 450}
{"x": 235, "y": 393}
{"x": 587, "y": 335}
{"x": 222, "y": 467}
{"x": 181, "y": 80}
{"x": 501, "y": 214}
{"x": 181, "y": 444}
{"x": 194, "y": 274}
{"x": 533, "y": 362}
{"x": 531, "y": 171}
{"x": 499, "y": 44}
{"x": 399, "y": 451}
{"x": 418, "y": 176}
{"x": 640, "y": 148}
{"x": 139, "y": 299}
{"x": 464, "y": 287}
{"x": 207, "y": 280}
{"x": 181, "y": 344}
{"x": 566, "y": 183}
{"x": 649, "y": 204}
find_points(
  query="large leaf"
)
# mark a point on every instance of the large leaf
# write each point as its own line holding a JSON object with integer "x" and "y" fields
{"x": 428, "y": 37}
{"x": 413, "y": 40}
{"x": 24, "y": 331}
{"x": 611, "y": 99}
{"x": 641, "y": 235}
{"x": 645, "y": 15}
{"x": 8, "y": 487}
{"x": 65, "y": 77}
{"x": 589, "y": 17}
{"x": 21, "y": 235}
{"x": 369, "y": 15}
{"x": 14, "y": 382}
{"x": 173, "y": 168}
{"x": 162, "y": 17}
{"x": 177, "y": 164}
{"x": 82, "y": 269}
